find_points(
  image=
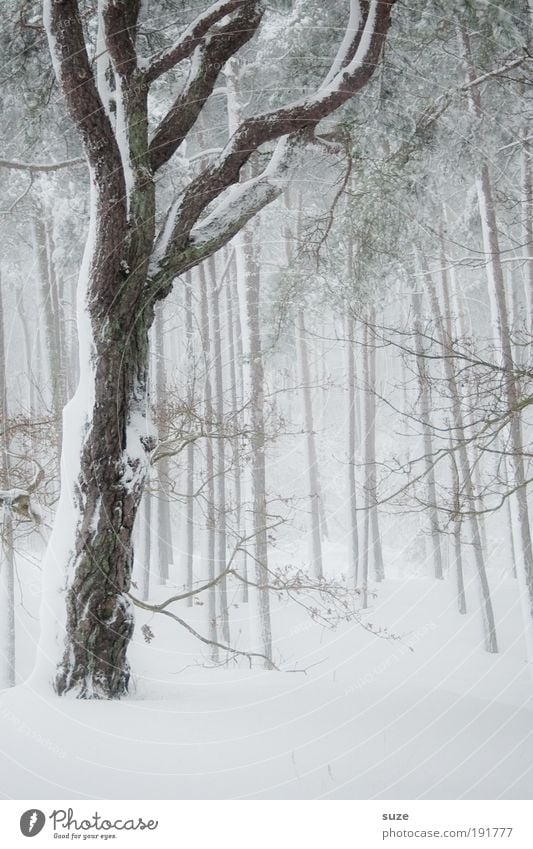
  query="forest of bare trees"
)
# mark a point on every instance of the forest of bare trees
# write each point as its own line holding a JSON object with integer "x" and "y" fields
{"x": 296, "y": 364}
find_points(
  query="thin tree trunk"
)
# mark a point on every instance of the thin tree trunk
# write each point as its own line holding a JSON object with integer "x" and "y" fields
{"x": 351, "y": 453}
{"x": 58, "y": 319}
{"x": 233, "y": 331}
{"x": 312, "y": 459}
{"x": 368, "y": 475}
{"x": 147, "y": 540}
{"x": 164, "y": 526}
{"x": 457, "y": 313}
{"x": 527, "y": 218}
{"x": 425, "y": 413}
{"x": 189, "y": 548}
{"x": 258, "y": 441}
{"x": 487, "y": 613}
{"x": 220, "y": 452}
{"x": 497, "y": 295}
{"x": 457, "y": 536}
{"x": 32, "y": 404}
{"x": 496, "y": 282}
{"x": 210, "y": 466}
{"x": 370, "y": 447}
{"x": 7, "y": 564}
{"x": 47, "y": 301}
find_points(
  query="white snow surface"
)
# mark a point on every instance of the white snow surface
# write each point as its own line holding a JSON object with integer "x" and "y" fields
{"x": 369, "y": 719}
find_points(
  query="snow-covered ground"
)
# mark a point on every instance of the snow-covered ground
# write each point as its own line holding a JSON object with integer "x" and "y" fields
{"x": 368, "y": 719}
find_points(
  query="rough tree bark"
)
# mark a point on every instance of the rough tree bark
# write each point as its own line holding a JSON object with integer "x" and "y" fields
{"x": 128, "y": 266}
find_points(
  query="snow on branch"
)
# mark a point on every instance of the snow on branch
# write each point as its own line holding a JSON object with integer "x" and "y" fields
{"x": 210, "y": 56}
{"x": 191, "y": 38}
{"x": 21, "y": 501}
{"x": 242, "y": 201}
{"x": 298, "y": 118}
{"x": 346, "y": 48}
{"x": 40, "y": 167}
{"x": 74, "y": 73}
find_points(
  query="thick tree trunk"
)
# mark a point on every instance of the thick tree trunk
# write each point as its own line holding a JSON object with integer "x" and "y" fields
{"x": 108, "y": 436}
{"x": 108, "y": 439}
{"x": 107, "y": 492}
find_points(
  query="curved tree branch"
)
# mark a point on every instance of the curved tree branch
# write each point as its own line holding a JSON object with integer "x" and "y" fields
{"x": 258, "y": 130}
{"x": 191, "y": 38}
{"x": 211, "y": 54}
